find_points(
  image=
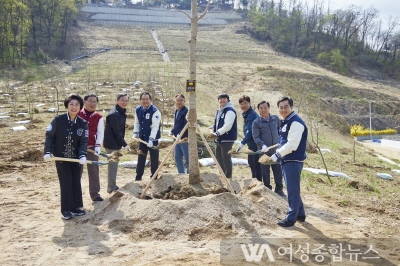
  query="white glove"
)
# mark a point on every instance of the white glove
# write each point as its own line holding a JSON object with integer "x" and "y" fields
{"x": 97, "y": 150}
{"x": 82, "y": 160}
{"x": 135, "y": 135}
{"x": 46, "y": 156}
{"x": 150, "y": 143}
{"x": 264, "y": 148}
{"x": 240, "y": 146}
{"x": 211, "y": 127}
{"x": 170, "y": 134}
{"x": 127, "y": 148}
{"x": 274, "y": 158}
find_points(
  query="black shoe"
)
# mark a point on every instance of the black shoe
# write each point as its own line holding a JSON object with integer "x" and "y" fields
{"x": 285, "y": 223}
{"x": 98, "y": 199}
{"x": 67, "y": 215}
{"x": 280, "y": 193}
{"x": 138, "y": 179}
{"x": 78, "y": 212}
{"x": 301, "y": 218}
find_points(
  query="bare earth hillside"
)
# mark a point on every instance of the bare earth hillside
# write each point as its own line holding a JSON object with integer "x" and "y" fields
{"x": 177, "y": 229}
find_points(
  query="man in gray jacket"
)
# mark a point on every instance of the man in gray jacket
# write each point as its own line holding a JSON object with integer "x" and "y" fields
{"x": 265, "y": 134}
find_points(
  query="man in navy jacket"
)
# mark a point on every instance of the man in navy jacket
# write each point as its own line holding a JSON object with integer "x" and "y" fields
{"x": 147, "y": 128}
{"x": 249, "y": 115}
{"x": 182, "y": 149}
{"x": 291, "y": 155}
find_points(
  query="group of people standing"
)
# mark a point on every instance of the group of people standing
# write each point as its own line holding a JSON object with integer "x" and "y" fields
{"x": 81, "y": 131}
{"x": 261, "y": 131}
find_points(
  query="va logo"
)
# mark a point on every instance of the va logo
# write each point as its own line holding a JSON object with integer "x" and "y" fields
{"x": 254, "y": 256}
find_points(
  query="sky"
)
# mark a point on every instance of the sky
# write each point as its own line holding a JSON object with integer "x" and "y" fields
{"x": 386, "y": 8}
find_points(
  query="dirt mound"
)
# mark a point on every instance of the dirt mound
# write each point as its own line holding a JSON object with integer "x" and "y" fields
{"x": 31, "y": 155}
{"x": 202, "y": 216}
{"x": 184, "y": 191}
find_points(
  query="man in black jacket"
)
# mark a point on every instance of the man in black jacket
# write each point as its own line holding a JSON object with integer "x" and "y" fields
{"x": 114, "y": 134}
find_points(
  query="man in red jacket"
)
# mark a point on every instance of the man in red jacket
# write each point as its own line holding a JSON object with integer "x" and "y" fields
{"x": 96, "y": 135}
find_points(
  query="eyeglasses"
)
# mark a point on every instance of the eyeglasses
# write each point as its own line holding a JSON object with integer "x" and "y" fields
{"x": 286, "y": 107}
{"x": 125, "y": 101}
{"x": 90, "y": 102}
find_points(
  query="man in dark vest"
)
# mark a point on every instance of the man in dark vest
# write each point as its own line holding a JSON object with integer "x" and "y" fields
{"x": 182, "y": 149}
{"x": 147, "y": 128}
{"x": 291, "y": 155}
{"x": 225, "y": 128}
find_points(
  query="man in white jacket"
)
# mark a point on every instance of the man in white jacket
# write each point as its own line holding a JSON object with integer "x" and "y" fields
{"x": 225, "y": 128}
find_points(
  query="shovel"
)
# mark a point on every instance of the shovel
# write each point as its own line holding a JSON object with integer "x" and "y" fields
{"x": 252, "y": 152}
{"x": 111, "y": 158}
{"x": 101, "y": 154}
{"x": 159, "y": 146}
{"x": 74, "y": 160}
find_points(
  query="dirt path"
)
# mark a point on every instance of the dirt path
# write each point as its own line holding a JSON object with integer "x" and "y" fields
{"x": 32, "y": 232}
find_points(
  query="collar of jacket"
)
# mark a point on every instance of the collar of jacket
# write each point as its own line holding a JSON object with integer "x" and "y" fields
{"x": 148, "y": 107}
{"x": 244, "y": 114}
{"x": 119, "y": 109}
{"x": 70, "y": 118}
{"x": 293, "y": 113}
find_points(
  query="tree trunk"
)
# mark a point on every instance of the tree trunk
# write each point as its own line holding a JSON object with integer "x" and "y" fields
{"x": 194, "y": 170}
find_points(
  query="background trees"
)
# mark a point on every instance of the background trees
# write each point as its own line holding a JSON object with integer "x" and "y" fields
{"x": 334, "y": 39}
{"x": 34, "y": 29}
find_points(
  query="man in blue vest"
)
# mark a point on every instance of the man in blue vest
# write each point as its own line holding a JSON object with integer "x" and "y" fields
{"x": 182, "y": 149}
{"x": 291, "y": 155}
{"x": 225, "y": 128}
{"x": 147, "y": 128}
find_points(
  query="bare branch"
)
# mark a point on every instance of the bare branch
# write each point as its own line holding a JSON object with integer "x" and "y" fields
{"x": 206, "y": 10}
{"x": 172, "y": 7}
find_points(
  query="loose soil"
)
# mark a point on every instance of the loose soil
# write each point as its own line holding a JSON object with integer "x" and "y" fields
{"x": 177, "y": 223}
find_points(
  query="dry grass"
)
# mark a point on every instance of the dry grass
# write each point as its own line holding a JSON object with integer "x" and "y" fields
{"x": 262, "y": 77}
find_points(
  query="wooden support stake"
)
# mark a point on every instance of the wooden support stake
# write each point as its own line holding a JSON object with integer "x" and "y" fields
{"x": 215, "y": 159}
{"x": 162, "y": 163}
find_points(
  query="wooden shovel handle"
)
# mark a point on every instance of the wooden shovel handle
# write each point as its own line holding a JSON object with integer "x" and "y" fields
{"x": 142, "y": 141}
{"x": 66, "y": 160}
{"x": 101, "y": 154}
{"x": 274, "y": 146}
{"x": 73, "y": 160}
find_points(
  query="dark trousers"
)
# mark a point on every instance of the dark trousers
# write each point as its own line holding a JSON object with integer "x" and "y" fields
{"x": 255, "y": 166}
{"x": 224, "y": 158}
{"x": 69, "y": 176}
{"x": 154, "y": 155}
{"x": 291, "y": 172}
{"x": 94, "y": 178}
{"x": 266, "y": 176}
